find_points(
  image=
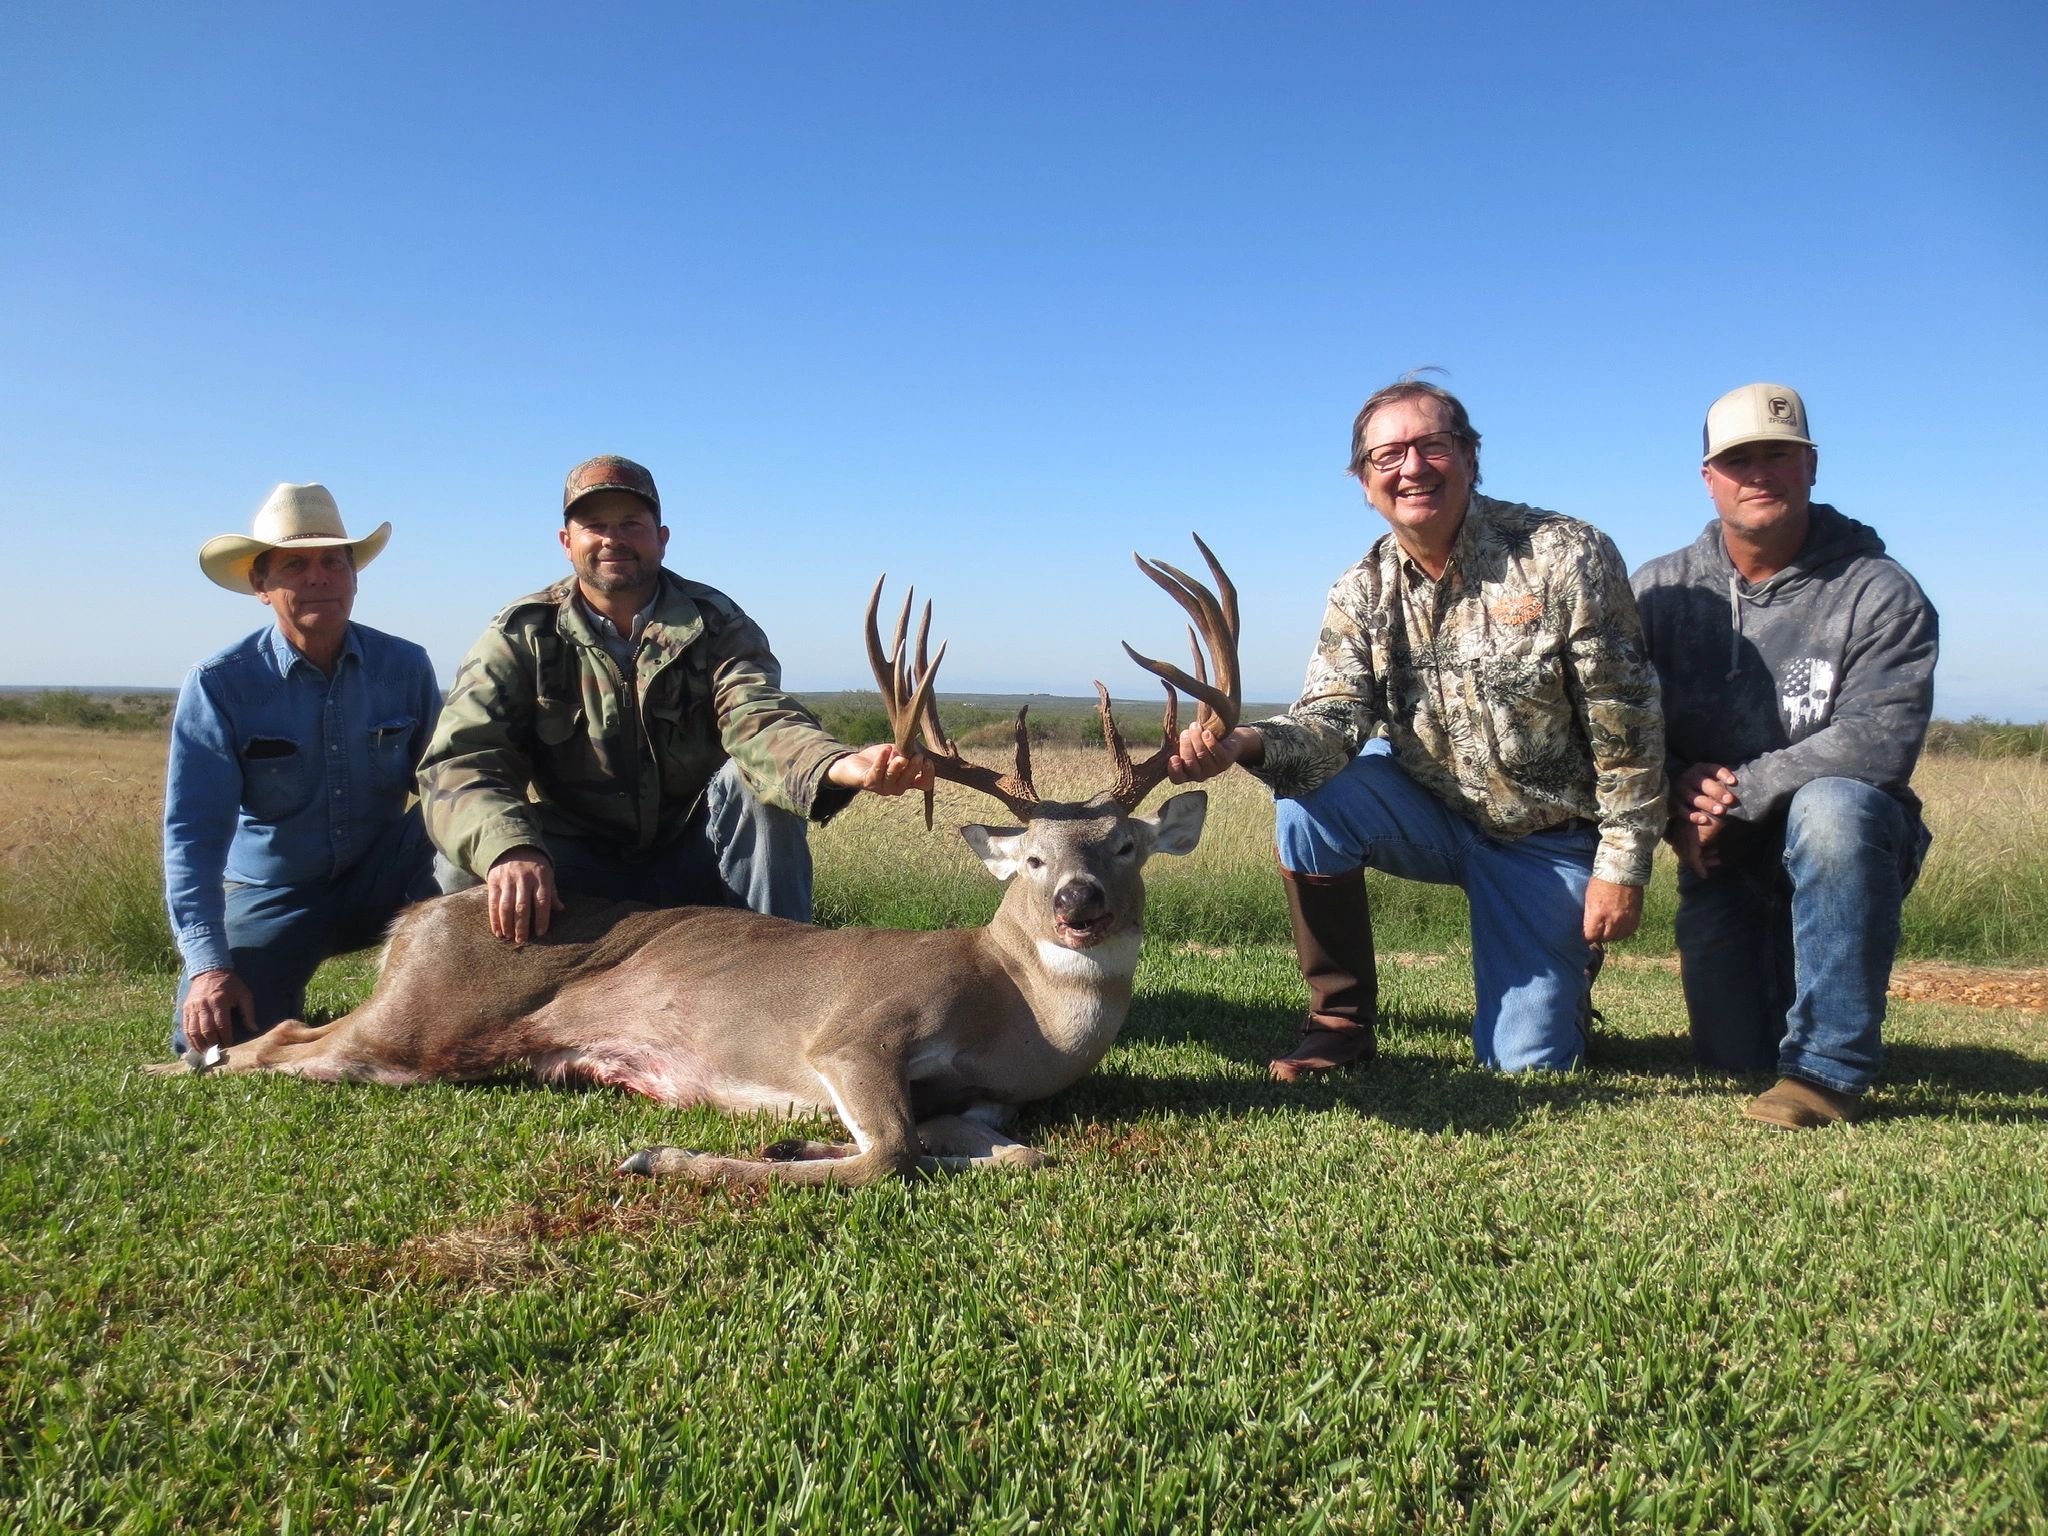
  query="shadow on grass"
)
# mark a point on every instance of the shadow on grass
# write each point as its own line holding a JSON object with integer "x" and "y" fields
{"x": 1426, "y": 1093}
{"x": 1965, "y": 1068}
{"x": 1920, "y": 1079}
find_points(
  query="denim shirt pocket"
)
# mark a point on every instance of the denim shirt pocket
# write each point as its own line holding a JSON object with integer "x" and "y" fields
{"x": 391, "y": 765}
{"x": 277, "y": 779}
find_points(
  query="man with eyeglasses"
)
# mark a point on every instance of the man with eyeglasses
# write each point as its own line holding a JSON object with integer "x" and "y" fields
{"x": 1488, "y": 659}
{"x": 1797, "y": 665}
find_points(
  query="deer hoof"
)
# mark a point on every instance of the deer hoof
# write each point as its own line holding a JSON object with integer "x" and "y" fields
{"x": 659, "y": 1160}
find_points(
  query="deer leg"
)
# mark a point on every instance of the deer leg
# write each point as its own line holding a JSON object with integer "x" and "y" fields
{"x": 292, "y": 1046}
{"x": 874, "y": 1105}
{"x": 957, "y": 1143}
{"x": 322, "y": 1052}
{"x": 270, "y": 1051}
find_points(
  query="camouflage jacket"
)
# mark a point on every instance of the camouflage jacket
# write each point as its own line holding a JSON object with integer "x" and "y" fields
{"x": 543, "y": 731}
{"x": 1517, "y": 689}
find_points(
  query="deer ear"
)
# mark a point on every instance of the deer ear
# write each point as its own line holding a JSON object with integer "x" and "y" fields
{"x": 1178, "y": 826}
{"x": 997, "y": 849}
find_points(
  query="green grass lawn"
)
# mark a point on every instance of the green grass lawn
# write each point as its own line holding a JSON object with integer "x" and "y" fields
{"x": 1420, "y": 1298}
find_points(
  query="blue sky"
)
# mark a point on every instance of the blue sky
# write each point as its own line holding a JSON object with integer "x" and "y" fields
{"x": 989, "y": 295}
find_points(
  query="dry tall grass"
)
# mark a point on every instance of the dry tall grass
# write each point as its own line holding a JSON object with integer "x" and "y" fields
{"x": 80, "y": 874}
{"x": 1984, "y": 893}
{"x": 81, "y": 871}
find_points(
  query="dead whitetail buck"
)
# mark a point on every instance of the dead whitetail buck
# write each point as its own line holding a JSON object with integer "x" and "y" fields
{"x": 921, "y": 1043}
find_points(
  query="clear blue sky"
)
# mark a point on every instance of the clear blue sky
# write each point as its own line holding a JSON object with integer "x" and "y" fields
{"x": 987, "y": 295}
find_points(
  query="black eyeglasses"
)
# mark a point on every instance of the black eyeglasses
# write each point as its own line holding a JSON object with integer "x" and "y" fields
{"x": 1437, "y": 447}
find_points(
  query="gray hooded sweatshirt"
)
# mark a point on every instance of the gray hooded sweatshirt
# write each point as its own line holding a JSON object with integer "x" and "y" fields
{"x": 1825, "y": 670}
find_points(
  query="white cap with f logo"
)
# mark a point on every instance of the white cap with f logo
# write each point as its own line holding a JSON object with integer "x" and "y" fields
{"x": 1755, "y": 413}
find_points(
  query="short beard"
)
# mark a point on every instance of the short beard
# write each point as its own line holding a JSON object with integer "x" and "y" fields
{"x": 615, "y": 584}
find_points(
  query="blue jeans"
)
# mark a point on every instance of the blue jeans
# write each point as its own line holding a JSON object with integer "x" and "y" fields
{"x": 1787, "y": 948}
{"x": 737, "y": 851}
{"x": 279, "y": 934}
{"x": 1527, "y": 898}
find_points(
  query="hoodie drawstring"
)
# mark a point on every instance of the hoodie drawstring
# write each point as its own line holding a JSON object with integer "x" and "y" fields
{"x": 1734, "y": 627}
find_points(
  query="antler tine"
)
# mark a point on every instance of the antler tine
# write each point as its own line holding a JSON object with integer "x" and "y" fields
{"x": 1217, "y": 619}
{"x": 1131, "y": 783}
{"x": 900, "y": 668}
{"x": 921, "y": 707}
{"x": 1220, "y": 703}
{"x": 928, "y": 717}
{"x": 1023, "y": 773}
{"x": 1226, "y": 590}
{"x": 910, "y": 700}
{"x": 922, "y": 711}
{"x": 887, "y": 669}
{"x": 1112, "y": 738}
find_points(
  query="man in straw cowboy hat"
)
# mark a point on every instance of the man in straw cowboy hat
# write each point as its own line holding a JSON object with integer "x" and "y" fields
{"x": 1797, "y": 664}
{"x": 287, "y": 837}
{"x": 624, "y": 733}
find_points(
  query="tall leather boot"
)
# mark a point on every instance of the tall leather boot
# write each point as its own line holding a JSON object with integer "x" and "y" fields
{"x": 1333, "y": 941}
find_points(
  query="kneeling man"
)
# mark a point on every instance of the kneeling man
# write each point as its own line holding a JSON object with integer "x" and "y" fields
{"x": 1487, "y": 658}
{"x": 287, "y": 833}
{"x": 624, "y": 734}
{"x": 1797, "y": 664}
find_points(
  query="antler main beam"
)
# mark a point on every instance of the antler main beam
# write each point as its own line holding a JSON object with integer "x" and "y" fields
{"x": 1220, "y": 702}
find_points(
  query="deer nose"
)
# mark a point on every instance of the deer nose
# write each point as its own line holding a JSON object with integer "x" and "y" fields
{"x": 1078, "y": 898}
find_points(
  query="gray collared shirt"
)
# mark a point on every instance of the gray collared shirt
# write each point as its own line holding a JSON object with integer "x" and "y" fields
{"x": 621, "y": 646}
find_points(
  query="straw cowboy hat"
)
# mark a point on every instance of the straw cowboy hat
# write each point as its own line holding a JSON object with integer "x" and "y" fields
{"x": 294, "y": 514}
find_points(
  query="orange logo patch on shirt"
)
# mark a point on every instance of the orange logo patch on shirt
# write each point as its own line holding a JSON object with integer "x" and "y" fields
{"x": 1525, "y": 609}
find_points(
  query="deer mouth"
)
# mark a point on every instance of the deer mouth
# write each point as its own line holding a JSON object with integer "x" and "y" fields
{"x": 1083, "y": 932}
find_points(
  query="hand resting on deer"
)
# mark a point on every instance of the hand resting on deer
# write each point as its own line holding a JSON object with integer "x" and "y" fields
{"x": 921, "y": 1043}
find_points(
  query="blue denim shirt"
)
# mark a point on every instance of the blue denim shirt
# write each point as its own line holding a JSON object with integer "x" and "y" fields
{"x": 282, "y": 776}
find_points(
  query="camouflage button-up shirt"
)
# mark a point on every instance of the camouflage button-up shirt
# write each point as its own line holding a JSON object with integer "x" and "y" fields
{"x": 1516, "y": 689}
{"x": 544, "y": 730}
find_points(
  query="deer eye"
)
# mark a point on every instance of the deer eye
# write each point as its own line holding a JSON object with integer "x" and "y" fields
{"x": 1130, "y": 847}
{"x": 1033, "y": 861}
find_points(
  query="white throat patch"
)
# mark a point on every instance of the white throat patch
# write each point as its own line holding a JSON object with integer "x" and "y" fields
{"x": 1112, "y": 957}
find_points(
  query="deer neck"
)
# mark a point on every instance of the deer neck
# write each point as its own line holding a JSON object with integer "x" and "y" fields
{"x": 1078, "y": 996}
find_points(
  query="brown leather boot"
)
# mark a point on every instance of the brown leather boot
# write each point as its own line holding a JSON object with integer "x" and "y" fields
{"x": 1333, "y": 942}
{"x": 1793, "y": 1104}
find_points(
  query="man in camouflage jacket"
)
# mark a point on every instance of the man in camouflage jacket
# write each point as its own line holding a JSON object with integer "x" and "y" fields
{"x": 624, "y": 733}
{"x": 1488, "y": 658}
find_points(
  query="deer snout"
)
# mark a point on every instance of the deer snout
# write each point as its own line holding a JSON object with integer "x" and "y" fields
{"x": 1082, "y": 916}
{"x": 1080, "y": 902}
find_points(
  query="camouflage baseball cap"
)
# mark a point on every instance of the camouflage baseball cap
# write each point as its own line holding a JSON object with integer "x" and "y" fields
{"x": 609, "y": 472}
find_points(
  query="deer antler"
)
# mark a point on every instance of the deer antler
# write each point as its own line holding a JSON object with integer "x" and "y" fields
{"x": 1219, "y": 703}
{"x": 913, "y": 710}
